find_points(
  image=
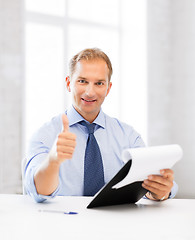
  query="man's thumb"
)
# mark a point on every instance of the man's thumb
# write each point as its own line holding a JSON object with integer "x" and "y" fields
{"x": 65, "y": 123}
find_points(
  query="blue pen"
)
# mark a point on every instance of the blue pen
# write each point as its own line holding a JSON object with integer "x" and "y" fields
{"x": 57, "y": 211}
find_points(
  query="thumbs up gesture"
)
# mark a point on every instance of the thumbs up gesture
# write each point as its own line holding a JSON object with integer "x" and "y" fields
{"x": 65, "y": 123}
{"x": 66, "y": 142}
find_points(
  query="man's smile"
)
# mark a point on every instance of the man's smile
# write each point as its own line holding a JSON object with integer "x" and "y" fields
{"x": 88, "y": 100}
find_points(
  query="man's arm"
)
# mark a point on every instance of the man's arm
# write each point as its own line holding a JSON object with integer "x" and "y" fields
{"x": 46, "y": 177}
{"x": 159, "y": 186}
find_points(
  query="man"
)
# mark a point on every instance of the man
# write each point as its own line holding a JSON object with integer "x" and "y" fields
{"x": 56, "y": 162}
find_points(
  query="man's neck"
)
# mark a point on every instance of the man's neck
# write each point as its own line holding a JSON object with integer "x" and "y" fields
{"x": 88, "y": 117}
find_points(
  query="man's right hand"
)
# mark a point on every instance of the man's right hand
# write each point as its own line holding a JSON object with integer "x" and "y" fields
{"x": 66, "y": 142}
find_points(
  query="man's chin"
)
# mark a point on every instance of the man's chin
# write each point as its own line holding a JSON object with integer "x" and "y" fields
{"x": 88, "y": 113}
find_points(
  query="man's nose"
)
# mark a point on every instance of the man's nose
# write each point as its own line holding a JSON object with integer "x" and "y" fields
{"x": 90, "y": 90}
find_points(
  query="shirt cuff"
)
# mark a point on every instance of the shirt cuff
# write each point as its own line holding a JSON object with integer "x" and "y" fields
{"x": 32, "y": 191}
{"x": 173, "y": 192}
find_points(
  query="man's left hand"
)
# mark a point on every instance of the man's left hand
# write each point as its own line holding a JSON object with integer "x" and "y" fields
{"x": 159, "y": 186}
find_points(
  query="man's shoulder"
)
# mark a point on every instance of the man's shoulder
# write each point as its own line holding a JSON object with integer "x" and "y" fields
{"x": 49, "y": 128}
{"x": 123, "y": 131}
{"x": 54, "y": 123}
{"x": 115, "y": 123}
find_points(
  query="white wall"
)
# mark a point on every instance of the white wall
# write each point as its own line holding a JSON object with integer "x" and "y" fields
{"x": 171, "y": 75}
{"x": 159, "y": 71}
{"x": 183, "y": 118}
{"x": 171, "y": 83}
{"x": 11, "y": 92}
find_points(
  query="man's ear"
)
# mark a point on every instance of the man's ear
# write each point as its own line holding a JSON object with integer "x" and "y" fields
{"x": 68, "y": 83}
{"x": 109, "y": 87}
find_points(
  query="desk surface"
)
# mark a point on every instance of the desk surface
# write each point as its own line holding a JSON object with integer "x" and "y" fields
{"x": 21, "y": 218}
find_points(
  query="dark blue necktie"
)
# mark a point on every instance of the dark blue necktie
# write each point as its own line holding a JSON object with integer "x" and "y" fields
{"x": 93, "y": 166}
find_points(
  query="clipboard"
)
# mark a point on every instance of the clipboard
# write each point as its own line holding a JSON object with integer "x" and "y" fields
{"x": 130, "y": 193}
{"x": 126, "y": 186}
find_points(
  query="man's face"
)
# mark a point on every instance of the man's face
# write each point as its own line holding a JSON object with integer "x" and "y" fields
{"x": 89, "y": 85}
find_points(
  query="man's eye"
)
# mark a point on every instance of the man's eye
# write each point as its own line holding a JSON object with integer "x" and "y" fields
{"x": 100, "y": 83}
{"x": 81, "y": 81}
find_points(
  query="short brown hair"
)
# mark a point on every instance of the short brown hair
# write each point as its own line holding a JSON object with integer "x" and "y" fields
{"x": 90, "y": 54}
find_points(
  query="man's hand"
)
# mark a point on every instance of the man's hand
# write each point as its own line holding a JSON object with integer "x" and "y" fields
{"x": 159, "y": 186}
{"x": 66, "y": 142}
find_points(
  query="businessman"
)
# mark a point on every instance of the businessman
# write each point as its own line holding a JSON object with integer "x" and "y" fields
{"x": 79, "y": 151}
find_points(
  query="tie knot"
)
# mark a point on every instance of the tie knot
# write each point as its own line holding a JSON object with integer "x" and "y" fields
{"x": 90, "y": 127}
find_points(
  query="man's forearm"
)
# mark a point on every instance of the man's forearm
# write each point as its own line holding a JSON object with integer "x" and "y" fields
{"x": 46, "y": 177}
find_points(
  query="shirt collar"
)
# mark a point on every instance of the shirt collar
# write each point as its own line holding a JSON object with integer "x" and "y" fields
{"x": 74, "y": 117}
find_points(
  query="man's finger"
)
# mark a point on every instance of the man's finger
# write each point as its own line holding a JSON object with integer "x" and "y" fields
{"x": 65, "y": 123}
{"x": 167, "y": 173}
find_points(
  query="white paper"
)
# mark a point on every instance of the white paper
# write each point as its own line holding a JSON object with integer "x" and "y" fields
{"x": 149, "y": 160}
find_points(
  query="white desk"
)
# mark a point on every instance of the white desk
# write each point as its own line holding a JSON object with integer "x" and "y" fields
{"x": 20, "y": 218}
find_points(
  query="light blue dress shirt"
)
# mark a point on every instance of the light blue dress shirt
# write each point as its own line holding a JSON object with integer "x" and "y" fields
{"x": 112, "y": 136}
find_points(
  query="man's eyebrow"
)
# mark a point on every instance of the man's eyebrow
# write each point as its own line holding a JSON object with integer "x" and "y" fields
{"x": 101, "y": 80}
{"x": 83, "y": 78}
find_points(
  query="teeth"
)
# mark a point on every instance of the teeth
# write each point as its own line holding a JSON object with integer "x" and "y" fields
{"x": 88, "y": 100}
